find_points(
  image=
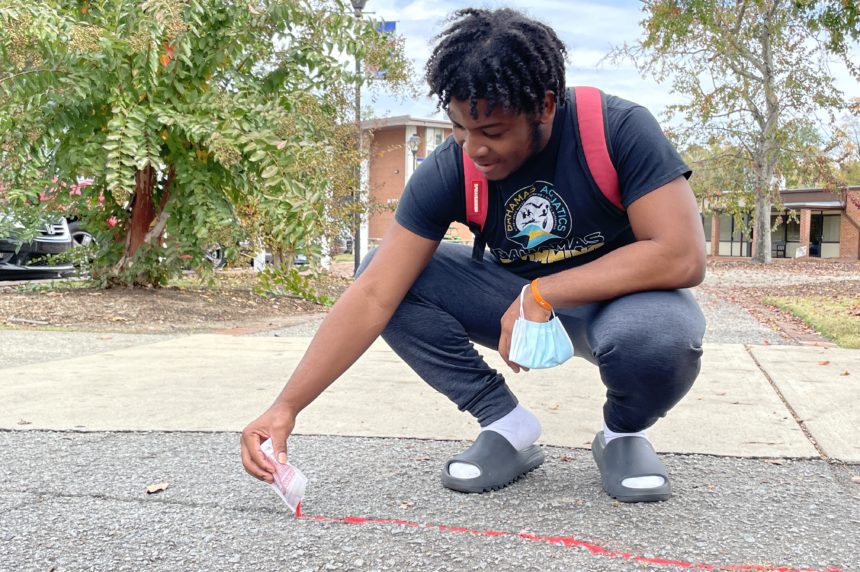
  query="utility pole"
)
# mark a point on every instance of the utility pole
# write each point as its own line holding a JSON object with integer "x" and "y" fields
{"x": 358, "y": 7}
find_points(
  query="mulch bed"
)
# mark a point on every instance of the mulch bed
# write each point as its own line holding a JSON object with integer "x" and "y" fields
{"x": 161, "y": 310}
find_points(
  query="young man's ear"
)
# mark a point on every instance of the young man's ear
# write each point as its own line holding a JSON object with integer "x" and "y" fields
{"x": 548, "y": 108}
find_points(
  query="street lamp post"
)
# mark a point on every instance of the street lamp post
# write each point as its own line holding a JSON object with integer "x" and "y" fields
{"x": 358, "y": 7}
{"x": 413, "y": 143}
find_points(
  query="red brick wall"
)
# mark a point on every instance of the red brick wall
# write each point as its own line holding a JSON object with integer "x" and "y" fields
{"x": 388, "y": 157}
{"x": 387, "y": 179}
{"x": 849, "y": 235}
{"x": 805, "y": 228}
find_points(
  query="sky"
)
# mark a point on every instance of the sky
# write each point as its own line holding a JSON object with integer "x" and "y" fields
{"x": 589, "y": 29}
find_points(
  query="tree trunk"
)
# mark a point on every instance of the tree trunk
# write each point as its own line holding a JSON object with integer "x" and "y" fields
{"x": 765, "y": 161}
{"x": 761, "y": 227}
{"x": 142, "y": 212}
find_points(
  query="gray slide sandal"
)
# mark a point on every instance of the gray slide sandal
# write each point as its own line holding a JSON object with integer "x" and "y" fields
{"x": 625, "y": 458}
{"x": 500, "y": 464}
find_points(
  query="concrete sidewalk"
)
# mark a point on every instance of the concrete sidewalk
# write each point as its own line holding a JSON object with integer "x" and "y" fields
{"x": 758, "y": 401}
{"x": 82, "y": 438}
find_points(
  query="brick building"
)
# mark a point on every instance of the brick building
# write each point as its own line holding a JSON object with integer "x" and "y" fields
{"x": 392, "y": 162}
{"x": 827, "y": 225}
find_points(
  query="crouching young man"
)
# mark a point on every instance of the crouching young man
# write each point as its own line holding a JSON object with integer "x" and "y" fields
{"x": 612, "y": 265}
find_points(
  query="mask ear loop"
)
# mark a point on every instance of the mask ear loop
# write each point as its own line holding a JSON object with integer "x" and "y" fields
{"x": 552, "y": 315}
{"x": 522, "y": 293}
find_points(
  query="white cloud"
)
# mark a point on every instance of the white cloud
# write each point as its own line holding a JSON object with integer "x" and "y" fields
{"x": 590, "y": 30}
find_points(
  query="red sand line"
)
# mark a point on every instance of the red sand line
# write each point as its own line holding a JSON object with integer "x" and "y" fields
{"x": 567, "y": 542}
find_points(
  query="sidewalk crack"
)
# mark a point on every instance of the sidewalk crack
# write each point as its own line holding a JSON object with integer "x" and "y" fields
{"x": 797, "y": 419}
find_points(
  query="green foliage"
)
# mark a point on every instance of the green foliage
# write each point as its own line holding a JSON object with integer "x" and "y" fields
{"x": 848, "y": 150}
{"x": 759, "y": 90}
{"x": 722, "y": 182}
{"x": 850, "y": 173}
{"x": 838, "y": 20}
{"x": 234, "y": 115}
{"x": 275, "y": 282}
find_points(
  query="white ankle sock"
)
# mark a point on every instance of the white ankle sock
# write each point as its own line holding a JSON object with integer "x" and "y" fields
{"x": 609, "y": 434}
{"x": 520, "y": 427}
{"x": 647, "y": 482}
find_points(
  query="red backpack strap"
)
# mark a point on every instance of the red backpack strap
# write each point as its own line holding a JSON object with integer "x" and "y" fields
{"x": 476, "y": 194}
{"x": 475, "y": 183}
{"x": 592, "y": 136}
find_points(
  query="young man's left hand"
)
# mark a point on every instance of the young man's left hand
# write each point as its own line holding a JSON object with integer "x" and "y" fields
{"x": 532, "y": 312}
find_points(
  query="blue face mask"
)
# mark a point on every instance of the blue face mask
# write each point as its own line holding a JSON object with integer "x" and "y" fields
{"x": 539, "y": 345}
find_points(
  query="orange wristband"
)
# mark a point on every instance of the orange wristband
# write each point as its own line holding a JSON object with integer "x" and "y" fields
{"x": 538, "y": 298}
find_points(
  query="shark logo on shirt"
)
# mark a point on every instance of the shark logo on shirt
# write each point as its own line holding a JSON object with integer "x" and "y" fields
{"x": 538, "y": 222}
{"x": 536, "y": 214}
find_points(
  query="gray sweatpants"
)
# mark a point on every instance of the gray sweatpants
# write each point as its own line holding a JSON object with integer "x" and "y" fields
{"x": 648, "y": 345}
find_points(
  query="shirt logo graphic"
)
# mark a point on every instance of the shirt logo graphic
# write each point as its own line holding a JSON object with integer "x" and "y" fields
{"x": 536, "y": 214}
{"x": 539, "y": 224}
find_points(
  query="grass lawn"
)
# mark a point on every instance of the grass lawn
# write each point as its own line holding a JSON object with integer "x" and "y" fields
{"x": 835, "y": 318}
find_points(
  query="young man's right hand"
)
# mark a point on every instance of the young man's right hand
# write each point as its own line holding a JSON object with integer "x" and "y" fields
{"x": 354, "y": 322}
{"x": 276, "y": 424}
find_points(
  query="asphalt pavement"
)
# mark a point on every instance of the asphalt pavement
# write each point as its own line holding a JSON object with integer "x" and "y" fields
{"x": 77, "y": 501}
{"x": 763, "y": 453}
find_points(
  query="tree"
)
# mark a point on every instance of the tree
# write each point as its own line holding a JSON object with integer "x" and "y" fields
{"x": 198, "y": 121}
{"x": 757, "y": 78}
{"x": 722, "y": 183}
{"x": 848, "y": 154}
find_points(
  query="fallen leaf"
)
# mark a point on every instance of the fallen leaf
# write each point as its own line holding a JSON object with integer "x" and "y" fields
{"x": 825, "y": 362}
{"x": 422, "y": 458}
{"x": 24, "y": 422}
{"x": 406, "y": 504}
{"x": 775, "y": 461}
{"x": 553, "y": 407}
{"x": 566, "y": 458}
{"x": 845, "y": 373}
{"x": 156, "y": 488}
{"x": 766, "y": 342}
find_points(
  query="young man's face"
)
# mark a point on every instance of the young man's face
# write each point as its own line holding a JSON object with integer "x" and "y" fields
{"x": 501, "y": 142}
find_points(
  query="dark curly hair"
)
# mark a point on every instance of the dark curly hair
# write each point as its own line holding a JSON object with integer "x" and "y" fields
{"x": 497, "y": 55}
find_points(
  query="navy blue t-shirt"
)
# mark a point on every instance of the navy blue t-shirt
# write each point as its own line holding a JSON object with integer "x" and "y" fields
{"x": 549, "y": 215}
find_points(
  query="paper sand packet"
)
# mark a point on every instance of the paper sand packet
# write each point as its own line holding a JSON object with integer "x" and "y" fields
{"x": 289, "y": 482}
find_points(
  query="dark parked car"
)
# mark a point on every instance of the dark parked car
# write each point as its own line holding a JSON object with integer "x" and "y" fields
{"x": 30, "y": 260}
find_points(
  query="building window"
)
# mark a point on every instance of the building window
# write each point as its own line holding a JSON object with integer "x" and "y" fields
{"x": 792, "y": 231}
{"x": 787, "y": 231}
{"x": 777, "y": 228}
{"x": 434, "y": 138}
{"x": 831, "y": 228}
{"x": 736, "y": 243}
{"x": 726, "y": 225}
